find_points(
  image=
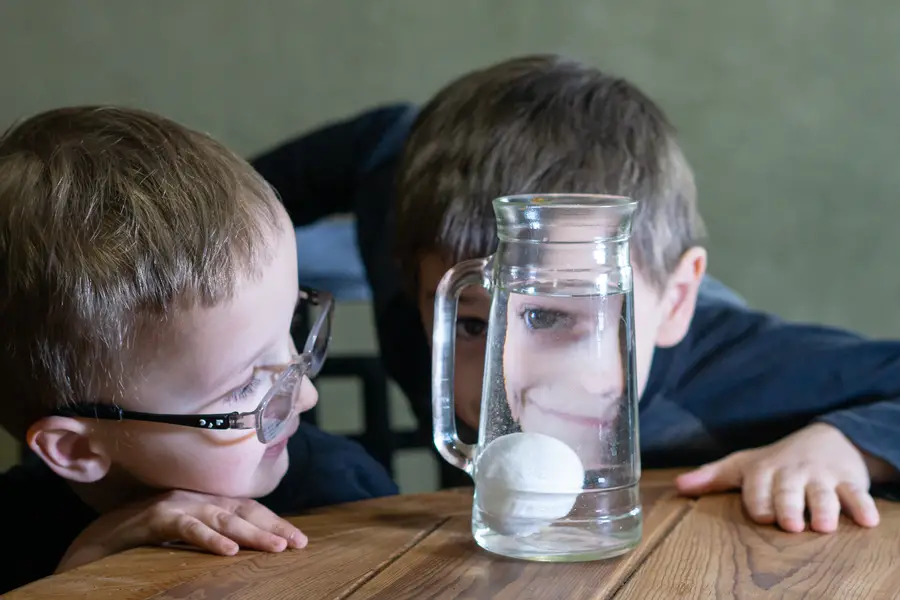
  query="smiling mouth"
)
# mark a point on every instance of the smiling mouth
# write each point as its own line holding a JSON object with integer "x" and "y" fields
{"x": 574, "y": 419}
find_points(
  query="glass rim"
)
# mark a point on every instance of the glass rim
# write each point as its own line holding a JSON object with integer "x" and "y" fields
{"x": 565, "y": 200}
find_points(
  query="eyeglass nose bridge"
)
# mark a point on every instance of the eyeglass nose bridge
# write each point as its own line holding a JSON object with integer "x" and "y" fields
{"x": 275, "y": 371}
{"x": 303, "y": 361}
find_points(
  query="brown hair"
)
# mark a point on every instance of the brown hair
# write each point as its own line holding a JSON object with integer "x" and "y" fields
{"x": 541, "y": 124}
{"x": 111, "y": 219}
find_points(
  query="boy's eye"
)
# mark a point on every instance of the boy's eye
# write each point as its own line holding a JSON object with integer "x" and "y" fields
{"x": 247, "y": 390}
{"x": 541, "y": 319}
{"x": 470, "y": 327}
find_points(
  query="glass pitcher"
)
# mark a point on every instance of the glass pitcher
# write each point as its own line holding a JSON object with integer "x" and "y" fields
{"x": 557, "y": 465}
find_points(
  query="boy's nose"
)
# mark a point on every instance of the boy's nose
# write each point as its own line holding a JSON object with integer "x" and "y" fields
{"x": 598, "y": 372}
{"x": 307, "y": 395}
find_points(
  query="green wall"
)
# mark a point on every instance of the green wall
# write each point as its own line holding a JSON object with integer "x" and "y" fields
{"x": 787, "y": 110}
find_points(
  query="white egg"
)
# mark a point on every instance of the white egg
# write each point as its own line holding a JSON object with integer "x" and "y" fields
{"x": 525, "y": 481}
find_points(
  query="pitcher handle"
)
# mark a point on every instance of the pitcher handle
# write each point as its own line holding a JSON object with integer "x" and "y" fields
{"x": 443, "y": 351}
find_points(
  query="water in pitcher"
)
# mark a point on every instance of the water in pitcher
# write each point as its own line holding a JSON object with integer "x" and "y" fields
{"x": 558, "y": 466}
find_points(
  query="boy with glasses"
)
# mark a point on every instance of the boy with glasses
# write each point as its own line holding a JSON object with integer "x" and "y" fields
{"x": 148, "y": 287}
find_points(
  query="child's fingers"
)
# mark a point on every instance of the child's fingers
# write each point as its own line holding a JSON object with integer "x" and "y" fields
{"x": 789, "y": 499}
{"x": 719, "y": 476}
{"x": 195, "y": 532}
{"x": 295, "y": 538}
{"x": 265, "y": 519}
{"x": 757, "y": 495}
{"x": 238, "y": 529}
{"x": 824, "y": 507}
{"x": 858, "y": 503}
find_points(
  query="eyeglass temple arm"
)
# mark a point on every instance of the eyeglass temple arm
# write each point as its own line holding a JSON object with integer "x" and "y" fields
{"x": 109, "y": 412}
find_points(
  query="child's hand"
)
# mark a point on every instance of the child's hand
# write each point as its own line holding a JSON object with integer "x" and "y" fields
{"x": 816, "y": 468}
{"x": 212, "y": 523}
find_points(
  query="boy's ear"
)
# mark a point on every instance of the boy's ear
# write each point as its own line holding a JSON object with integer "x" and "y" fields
{"x": 66, "y": 445}
{"x": 680, "y": 297}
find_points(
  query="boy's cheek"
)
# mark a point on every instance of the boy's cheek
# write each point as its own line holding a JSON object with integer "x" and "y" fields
{"x": 224, "y": 465}
{"x": 467, "y": 388}
{"x": 645, "y": 347}
{"x": 647, "y": 317}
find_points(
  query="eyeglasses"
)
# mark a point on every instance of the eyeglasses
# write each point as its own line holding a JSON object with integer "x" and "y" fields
{"x": 280, "y": 400}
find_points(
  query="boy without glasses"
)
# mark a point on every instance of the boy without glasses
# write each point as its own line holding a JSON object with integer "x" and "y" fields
{"x": 796, "y": 416}
{"x": 148, "y": 284}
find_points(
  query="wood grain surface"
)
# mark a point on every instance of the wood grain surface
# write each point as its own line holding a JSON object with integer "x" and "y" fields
{"x": 717, "y": 552}
{"x": 345, "y": 547}
{"x": 449, "y": 565}
{"x": 420, "y": 547}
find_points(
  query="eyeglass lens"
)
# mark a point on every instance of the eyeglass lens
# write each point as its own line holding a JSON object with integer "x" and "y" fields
{"x": 280, "y": 407}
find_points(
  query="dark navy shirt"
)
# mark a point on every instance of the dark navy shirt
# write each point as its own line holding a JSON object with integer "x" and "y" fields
{"x": 740, "y": 378}
{"x": 43, "y": 515}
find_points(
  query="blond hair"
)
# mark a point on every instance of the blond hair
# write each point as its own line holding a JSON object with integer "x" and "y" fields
{"x": 111, "y": 219}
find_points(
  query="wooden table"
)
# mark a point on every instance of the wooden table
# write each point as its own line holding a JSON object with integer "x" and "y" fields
{"x": 420, "y": 547}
